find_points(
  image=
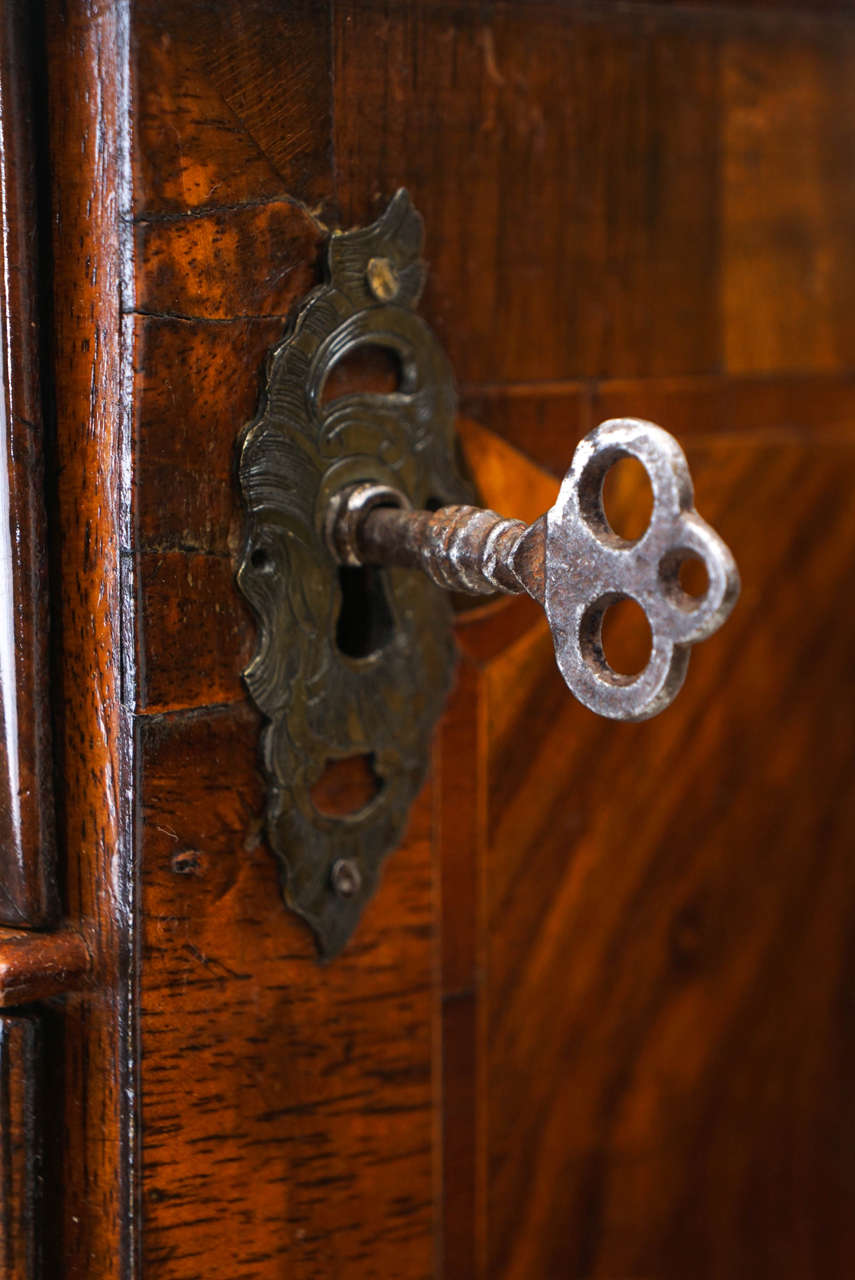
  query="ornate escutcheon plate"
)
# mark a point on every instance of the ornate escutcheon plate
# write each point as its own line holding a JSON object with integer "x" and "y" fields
{"x": 349, "y": 662}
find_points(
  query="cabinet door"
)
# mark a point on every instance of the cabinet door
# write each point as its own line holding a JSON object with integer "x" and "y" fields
{"x": 596, "y": 1020}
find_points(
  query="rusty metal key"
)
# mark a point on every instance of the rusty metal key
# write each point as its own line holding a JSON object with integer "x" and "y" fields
{"x": 570, "y": 560}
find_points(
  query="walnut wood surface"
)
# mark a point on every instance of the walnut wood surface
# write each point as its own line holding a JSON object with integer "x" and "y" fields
{"x": 671, "y": 1076}
{"x": 297, "y": 1137}
{"x": 35, "y": 966}
{"x": 596, "y": 1021}
{"x": 21, "y": 1137}
{"x": 87, "y": 107}
{"x": 27, "y": 872}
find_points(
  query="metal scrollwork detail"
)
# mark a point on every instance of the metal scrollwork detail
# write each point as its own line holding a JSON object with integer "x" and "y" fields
{"x": 323, "y": 700}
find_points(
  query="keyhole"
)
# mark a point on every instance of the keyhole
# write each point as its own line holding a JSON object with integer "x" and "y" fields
{"x": 365, "y": 622}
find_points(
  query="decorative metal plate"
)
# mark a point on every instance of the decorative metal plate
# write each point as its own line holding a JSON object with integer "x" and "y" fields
{"x": 326, "y": 696}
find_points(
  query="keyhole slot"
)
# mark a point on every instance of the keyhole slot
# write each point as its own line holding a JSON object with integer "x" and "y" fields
{"x": 365, "y": 623}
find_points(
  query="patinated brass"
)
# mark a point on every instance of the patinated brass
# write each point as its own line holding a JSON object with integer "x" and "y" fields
{"x": 322, "y": 700}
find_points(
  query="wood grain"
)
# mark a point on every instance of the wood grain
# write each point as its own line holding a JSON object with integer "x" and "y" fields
{"x": 287, "y": 1105}
{"x": 190, "y": 405}
{"x": 792, "y": 409}
{"x": 569, "y": 233}
{"x": 596, "y": 1021}
{"x": 21, "y": 1139}
{"x": 543, "y": 421}
{"x": 644, "y": 964}
{"x": 788, "y": 199}
{"x": 28, "y": 892}
{"x": 661, "y": 919}
{"x": 460, "y": 774}
{"x": 195, "y": 636}
{"x": 88, "y": 106}
{"x": 234, "y": 103}
{"x": 227, "y": 264}
{"x": 35, "y": 966}
{"x": 288, "y": 1109}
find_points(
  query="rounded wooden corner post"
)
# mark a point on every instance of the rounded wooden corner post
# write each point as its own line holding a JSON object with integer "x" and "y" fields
{"x": 87, "y": 47}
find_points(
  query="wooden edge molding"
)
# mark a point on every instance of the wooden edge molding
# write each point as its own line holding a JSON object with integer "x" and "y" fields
{"x": 34, "y": 966}
{"x": 21, "y": 1146}
{"x": 28, "y": 891}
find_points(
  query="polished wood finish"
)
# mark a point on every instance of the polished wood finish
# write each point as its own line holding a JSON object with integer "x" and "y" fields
{"x": 573, "y": 929}
{"x": 88, "y": 111}
{"x": 596, "y": 1021}
{"x": 268, "y": 1146}
{"x": 27, "y": 872}
{"x": 21, "y": 1139}
{"x": 710, "y": 915}
{"x": 35, "y": 966}
{"x": 573, "y": 217}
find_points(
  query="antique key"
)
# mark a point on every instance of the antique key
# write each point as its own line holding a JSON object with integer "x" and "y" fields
{"x": 570, "y": 560}
{"x": 352, "y": 667}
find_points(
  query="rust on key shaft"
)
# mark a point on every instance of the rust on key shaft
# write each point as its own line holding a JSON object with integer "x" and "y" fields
{"x": 460, "y": 548}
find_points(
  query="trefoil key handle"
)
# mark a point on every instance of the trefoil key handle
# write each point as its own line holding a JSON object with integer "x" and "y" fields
{"x": 570, "y": 561}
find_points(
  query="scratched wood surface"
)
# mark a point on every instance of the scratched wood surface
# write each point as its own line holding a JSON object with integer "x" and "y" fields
{"x": 21, "y": 1138}
{"x": 88, "y": 1052}
{"x": 298, "y": 1139}
{"x": 597, "y": 1020}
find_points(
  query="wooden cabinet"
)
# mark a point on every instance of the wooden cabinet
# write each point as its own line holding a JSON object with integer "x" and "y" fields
{"x": 597, "y": 1020}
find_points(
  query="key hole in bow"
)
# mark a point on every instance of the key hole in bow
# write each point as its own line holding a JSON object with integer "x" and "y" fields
{"x": 684, "y": 578}
{"x": 616, "y": 639}
{"x": 627, "y": 498}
